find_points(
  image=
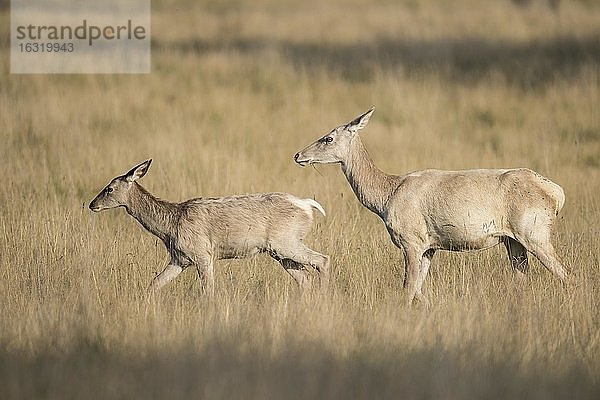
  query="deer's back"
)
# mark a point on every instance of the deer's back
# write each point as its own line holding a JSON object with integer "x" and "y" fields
{"x": 468, "y": 208}
{"x": 239, "y": 226}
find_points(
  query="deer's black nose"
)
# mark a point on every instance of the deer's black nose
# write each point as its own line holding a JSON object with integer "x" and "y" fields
{"x": 296, "y": 156}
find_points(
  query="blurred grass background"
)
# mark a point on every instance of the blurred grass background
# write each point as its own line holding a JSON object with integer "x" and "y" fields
{"x": 236, "y": 89}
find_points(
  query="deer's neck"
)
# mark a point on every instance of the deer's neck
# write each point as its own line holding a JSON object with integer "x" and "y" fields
{"x": 157, "y": 216}
{"x": 372, "y": 186}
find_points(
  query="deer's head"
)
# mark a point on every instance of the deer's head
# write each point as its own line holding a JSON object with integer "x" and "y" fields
{"x": 116, "y": 193}
{"x": 334, "y": 146}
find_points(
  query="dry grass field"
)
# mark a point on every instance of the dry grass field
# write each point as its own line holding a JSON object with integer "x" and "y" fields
{"x": 236, "y": 89}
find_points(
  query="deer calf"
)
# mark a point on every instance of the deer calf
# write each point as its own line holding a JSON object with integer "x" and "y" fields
{"x": 430, "y": 210}
{"x": 199, "y": 231}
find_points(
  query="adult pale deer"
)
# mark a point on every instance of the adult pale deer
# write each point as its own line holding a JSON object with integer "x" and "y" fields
{"x": 432, "y": 210}
{"x": 199, "y": 231}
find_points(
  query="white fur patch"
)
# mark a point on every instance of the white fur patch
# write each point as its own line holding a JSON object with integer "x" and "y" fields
{"x": 307, "y": 205}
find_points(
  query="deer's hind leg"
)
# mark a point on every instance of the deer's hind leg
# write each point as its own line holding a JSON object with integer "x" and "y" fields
{"x": 517, "y": 255}
{"x": 298, "y": 271}
{"x": 533, "y": 233}
{"x": 545, "y": 252}
{"x": 294, "y": 259}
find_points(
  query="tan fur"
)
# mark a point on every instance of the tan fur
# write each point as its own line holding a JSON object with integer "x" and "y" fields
{"x": 431, "y": 210}
{"x": 199, "y": 231}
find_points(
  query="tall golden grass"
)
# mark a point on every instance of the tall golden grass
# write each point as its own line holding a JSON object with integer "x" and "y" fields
{"x": 236, "y": 89}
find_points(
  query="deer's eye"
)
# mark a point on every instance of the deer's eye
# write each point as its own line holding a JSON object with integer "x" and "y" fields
{"x": 109, "y": 189}
{"x": 328, "y": 139}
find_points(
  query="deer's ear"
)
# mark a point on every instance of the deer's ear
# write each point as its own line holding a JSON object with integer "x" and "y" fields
{"x": 138, "y": 171}
{"x": 361, "y": 121}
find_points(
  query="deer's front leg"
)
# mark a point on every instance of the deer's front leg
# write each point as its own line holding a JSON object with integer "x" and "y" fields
{"x": 414, "y": 272}
{"x": 167, "y": 275}
{"x": 205, "y": 269}
{"x": 412, "y": 265}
